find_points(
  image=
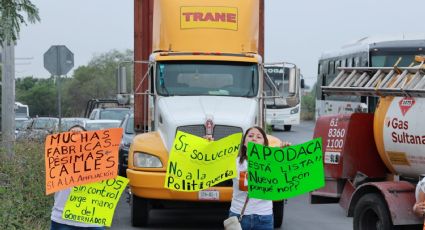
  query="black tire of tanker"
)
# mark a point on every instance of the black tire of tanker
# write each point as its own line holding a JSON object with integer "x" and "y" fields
{"x": 139, "y": 211}
{"x": 287, "y": 128}
{"x": 278, "y": 211}
{"x": 371, "y": 213}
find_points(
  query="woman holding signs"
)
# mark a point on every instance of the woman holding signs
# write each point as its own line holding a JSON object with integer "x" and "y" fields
{"x": 58, "y": 223}
{"x": 256, "y": 214}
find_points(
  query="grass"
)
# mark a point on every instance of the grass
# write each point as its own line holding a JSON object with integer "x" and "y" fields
{"x": 23, "y": 203}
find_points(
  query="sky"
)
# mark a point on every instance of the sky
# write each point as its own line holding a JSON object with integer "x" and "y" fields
{"x": 296, "y": 31}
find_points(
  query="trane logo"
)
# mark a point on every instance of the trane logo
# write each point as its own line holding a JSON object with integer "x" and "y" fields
{"x": 202, "y": 17}
{"x": 209, "y": 17}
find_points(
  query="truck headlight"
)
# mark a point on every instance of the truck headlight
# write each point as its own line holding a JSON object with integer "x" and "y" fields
{"x": 295, "y": 110}
{"x": 144, "y": 160}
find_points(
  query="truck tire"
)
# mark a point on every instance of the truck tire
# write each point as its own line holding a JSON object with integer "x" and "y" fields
{"x": 371, "y": 213}
{"x": 139, "y": 211}
{"x": 287, "y": 128}
{"x": 278, "y": 210}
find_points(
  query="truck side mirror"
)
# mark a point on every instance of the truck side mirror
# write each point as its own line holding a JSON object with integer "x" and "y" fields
{"x": 302, "y": 84}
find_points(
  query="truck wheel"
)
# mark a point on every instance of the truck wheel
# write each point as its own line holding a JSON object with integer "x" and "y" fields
{"x": 278, "y": 210}
{"x": 139, "y": 211}
{"x": 371, "y": 213}
{"x": 287, "y": 127}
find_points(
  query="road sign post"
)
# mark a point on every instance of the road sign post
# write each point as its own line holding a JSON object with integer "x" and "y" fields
{"x": 58, "y": 60}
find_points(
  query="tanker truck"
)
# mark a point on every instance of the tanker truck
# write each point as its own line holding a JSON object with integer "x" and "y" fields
{"x": 373, "y": 161}
{"x": 204, "y": 76}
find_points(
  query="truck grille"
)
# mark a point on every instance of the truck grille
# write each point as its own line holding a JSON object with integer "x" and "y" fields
{"x": 220, "y": 131}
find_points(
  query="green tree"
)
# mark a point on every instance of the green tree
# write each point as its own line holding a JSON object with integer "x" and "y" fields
{"x": 38, "y": 94}
{"x": 308, "y": 105}
{"x": 96, "y": 80}
{"x": 11, "y": 18}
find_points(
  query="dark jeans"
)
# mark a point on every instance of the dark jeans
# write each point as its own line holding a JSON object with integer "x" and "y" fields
{"x": 255, "y": 222}
{"x": 58, "y": 226}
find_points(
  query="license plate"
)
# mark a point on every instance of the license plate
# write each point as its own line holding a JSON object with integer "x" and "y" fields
{"x": 332, "y": 157}
{"x": 209, "y": 195}
{"x": 277, "y": 122}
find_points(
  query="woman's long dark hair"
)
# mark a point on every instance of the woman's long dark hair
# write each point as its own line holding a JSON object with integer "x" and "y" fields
{"x": 242, "y": 151}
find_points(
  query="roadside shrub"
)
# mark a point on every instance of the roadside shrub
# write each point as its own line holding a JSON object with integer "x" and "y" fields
{"x": 308, "y": 106}
{"x": 23, "y": 203}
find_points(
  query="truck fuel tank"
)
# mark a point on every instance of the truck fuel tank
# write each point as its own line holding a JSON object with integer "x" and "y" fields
{"x": 399, "y": 130}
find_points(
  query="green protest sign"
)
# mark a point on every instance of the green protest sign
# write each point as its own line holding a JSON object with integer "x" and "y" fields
{"x": 275, "y": 173}
{"x": 94, "y": 203}
{"x": 196, "y": 163}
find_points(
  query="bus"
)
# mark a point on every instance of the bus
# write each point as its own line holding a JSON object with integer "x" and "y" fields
{"x": 283, "y": 108}
{"x": 366, "y": 52}
{"x": 21, "y": 110}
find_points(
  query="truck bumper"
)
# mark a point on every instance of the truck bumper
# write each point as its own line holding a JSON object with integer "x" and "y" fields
{"x": 151, "y": 185}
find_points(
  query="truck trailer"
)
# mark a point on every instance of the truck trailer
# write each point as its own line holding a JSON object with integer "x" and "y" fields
{"x": 204, "y": 75}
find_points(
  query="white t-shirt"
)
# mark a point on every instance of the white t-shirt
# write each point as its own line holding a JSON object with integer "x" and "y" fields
{"x": 60, "y": 199}
{"x": 421, "y": 186}
{"x": 254, "y": 206}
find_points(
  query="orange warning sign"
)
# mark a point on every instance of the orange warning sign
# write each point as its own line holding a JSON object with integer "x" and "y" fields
{"x": 73, "y": 159}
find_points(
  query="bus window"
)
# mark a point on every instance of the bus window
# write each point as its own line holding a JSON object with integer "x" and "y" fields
{"x": 343, "y": 63}
{"x": 325, "y": 67}
{"x": 331, "y": 67}
{"x": 349, "y": 62}
{"x": 357, "y": 61}
{"x": 378, "y": 61}
{"x": 391, "y": 60}
{"x": 337, "y": 65}
{"x": 320, "y": 69}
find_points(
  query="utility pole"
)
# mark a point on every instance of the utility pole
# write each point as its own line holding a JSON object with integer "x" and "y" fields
{"x": 8, "y": 98}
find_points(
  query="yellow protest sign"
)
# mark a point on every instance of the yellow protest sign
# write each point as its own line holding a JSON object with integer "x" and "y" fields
{"x": 73, "y": 159}
{"x": 196, "y": 164}
{"x": 94, "y": 203}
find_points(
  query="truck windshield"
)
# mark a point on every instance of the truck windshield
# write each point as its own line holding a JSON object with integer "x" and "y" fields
{"x": 207, "y": 78}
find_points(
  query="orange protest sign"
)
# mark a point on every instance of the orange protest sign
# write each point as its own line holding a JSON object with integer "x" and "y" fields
{"x": 73, "y": 159}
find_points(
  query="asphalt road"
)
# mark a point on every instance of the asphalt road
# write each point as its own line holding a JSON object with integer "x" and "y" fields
{"x": 299, "y": 214}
